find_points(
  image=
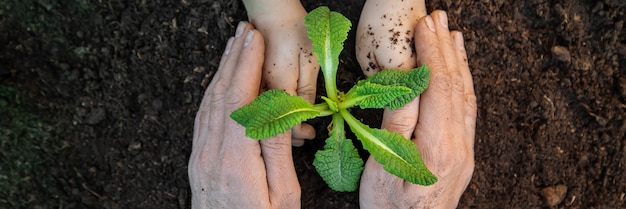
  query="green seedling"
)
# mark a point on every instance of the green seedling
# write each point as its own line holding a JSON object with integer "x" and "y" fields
{"x": 275, "y": 111}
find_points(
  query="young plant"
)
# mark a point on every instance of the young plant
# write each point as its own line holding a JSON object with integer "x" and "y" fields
{"x": 275, "y": 111}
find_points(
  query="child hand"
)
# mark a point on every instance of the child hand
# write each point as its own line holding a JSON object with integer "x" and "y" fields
{"x": 289, "y": 61}
{"x": 385, "y": 35}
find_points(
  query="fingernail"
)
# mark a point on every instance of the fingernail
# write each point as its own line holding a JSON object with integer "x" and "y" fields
{"x": 249, "y": 37}
{"x": 430, "y": 23}
{"x": 229, "y": 44}
{"x": 459, "y": 41}
{"x": 443, "y": 19}
{"x": 240, "y": 29}
{"x": 297, "y": 142}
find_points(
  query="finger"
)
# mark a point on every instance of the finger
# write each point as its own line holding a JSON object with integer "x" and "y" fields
{"x": 402, "y": 120}
{"x": 469, "y": 95}
{"x": 281, "y": 175}
{"x": 461, "y": 56}
{"x": 237, "y": 152}
{"x": 208, "y": 128}
{"x": 222, "y": 81}
{"x": 297, "y": 142}
{"x": 303, "y": 131}
{"x": 204, "y": 130}
{"x": 432, "y": 133}
{"x": 436, "y": 100}
{"x": 309, "y": 69}
{"x": 205, "y": 104}
{"x": 446, "y": 45}
{"x": 203, "y": 116}
{"x": 280, "y": 70}
{"x": 448, "y": 49}
{"x": 229, "y": 45}
{"x": 307, "y": 86}
{"x": 427, "y": 42}
{"x": 243, "y": 87}
{"x": 246, "y": 80}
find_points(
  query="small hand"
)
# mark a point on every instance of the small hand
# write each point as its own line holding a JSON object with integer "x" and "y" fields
{"x": 441, "y": 122}
{"x": 289, "y": 61}
{"x": 385, "y": 35}
{"x": 226, "y": 168}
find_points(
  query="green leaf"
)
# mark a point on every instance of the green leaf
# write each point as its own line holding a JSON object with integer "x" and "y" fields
{"x": 339, "y": 163}
{"x": 373, "y": 95}
{"x": 272, "y": 113}
{"x": 332, "y": 105}
{"x": 399, "y": 156}
{"x": 416, "y": 79}
{"x": 327, "y": 31}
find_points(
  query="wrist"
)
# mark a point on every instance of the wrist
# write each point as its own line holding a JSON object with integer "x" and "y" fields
{"x": 260, "y": 11}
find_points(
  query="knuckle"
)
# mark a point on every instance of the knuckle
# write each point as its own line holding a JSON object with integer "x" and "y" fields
{"x": 198, "y": 166}
{"x": 217, "y": 99}
{"x": 219, "y": 86}
{"x": 457, "y": 82}
{"x": 403, "y": 124}
{"x": 236, "y": 97}
{"x": 292, "y": 194}
{"x": 471, "y": 106}
{"x": 277, "y": 146}
{"x": 307, "y": 91}
{"x": 440, "y": 82}
{"x": 288, "y": 198}
{"x": 470, "y": 102}
{"x": 192, "y": 167}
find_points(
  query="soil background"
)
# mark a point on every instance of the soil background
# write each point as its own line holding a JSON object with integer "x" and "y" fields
{"x": 116, "y": 84}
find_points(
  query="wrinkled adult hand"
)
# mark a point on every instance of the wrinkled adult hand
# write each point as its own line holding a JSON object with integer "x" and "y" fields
{"x": 226, "y": 168}
{"x": 441, "y": 122}
{"x": 289, "y": 61}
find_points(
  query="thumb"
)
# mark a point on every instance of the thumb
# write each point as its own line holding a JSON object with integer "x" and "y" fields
{"x": 402, "y": 120}
{"x": 309, "y": 69}
{"x": 284, "y": 189}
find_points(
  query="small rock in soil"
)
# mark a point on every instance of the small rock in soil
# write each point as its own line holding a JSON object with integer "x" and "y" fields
{"x": 96, "y": 116}
{"x": 554, "y": 195}
{"x": 157, "y": 104}
{"x": 561, "y": 53}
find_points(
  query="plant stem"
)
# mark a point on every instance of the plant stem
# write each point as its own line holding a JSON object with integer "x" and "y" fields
{"x": 355, "y": 125}
{"x": 329, "y": 69}
{"x": 323, "y": 108}
{"x": 338, "y": 125}
{"x": 350, "y": 102}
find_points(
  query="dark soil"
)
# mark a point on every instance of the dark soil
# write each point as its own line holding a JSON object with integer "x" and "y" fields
{"x": 119, "y": 84}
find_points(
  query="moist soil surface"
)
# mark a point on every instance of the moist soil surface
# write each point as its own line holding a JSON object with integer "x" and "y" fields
{"x": 116, "y": 84}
